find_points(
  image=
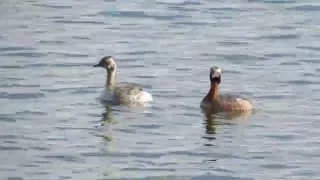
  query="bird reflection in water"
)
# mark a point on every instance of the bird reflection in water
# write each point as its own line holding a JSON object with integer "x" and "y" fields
{"x": 212, "y": 119}
{"x": 107, "y": 116}
{"x": 107, "y": 120}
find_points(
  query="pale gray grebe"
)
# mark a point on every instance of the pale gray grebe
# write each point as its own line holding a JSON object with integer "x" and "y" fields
{"x": 217, "y": 102}
{"x": 120, "y": 92}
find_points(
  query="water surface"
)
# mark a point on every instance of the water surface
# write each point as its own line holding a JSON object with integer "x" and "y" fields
{"x": 54, "y": 127}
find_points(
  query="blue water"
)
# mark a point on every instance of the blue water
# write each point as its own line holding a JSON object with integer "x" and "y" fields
{"x": 53, "y": 127}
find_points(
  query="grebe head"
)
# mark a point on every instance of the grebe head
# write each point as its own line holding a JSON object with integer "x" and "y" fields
{"x": 108, "y": 63}
{"x": 215, "y": 75}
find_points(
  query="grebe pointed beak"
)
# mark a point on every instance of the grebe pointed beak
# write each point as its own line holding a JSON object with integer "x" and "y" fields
{"x": 98, "y": 65}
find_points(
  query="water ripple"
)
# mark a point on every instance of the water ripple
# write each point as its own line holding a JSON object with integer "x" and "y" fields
{"x": 148, "y": 169}
{"x": 53, "y": 6}
{"x": 53, "y": 123}
{"x": 67, "y": 158}
{"x": 24, "y": 54}
{"x": 278, "y": 55}
{"x": 11, "y": 148}
{"x": 6, "y": 95}
{"x": 274, "y": 1}
{"x": 305, "y": 8}
{"x": 309, "y": 48}
{"x": 279, "y": 37}
{"x": 70, "y": 54}
{"x": 233, "y": 57}
{"x": 293, "y": 63}
{"x": 77, "y": 22}
{"x": 310, "y": 61}
{"x": 16, "y": 48}
{"x": 31, "y": 113}
{"x": 140, "y": 52}
{"x": 141, "y": 14}
{"x": 226, "y": 9}
{"x": 55, "y": 42}
{"x": 15, "y": 178}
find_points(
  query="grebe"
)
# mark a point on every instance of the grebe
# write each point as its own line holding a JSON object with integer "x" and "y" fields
{"x": 121, "y": 92}
{"x": 216, "y": 102}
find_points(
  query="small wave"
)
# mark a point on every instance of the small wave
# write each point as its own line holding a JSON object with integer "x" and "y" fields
{"x": 55, "y": 17}
{"x": 305, "y": 8}
{"x": 300, "y": 82}
{"x": 190, "y": 154}
{"x": 279, "y": 37}
{"x": 140, "y": 14}
{"x": 20, "y": 85}
{"x": 83, "y": 91}
{"x": 232, "y": 72}
{"x": 11, "y": 67}
{"x": 181, "y": 8}
{"x": 197, "y": 177}
{"x": 310, "y": 61}
{"x": 5, "y": 95}
{"x": 11, "y": 148}
{"x": 277, "y": 55}
{"x": 274, "y": 1}
{"x": 290, "y": 63}
{"x": 67, "y": 158}
{"x": 24, "y": 54}
{"x": 123, "y": 42}
{"x": 53, "y": 6}
{"x": 56, "y": 42}
{"x": 233, "y": 43}
{"x": 275, "y": 97}
{"x": 94, "y": 154}
{"x": 147, "y": 169}
{"x": 279, "y": 166}
{"x": 33, "y": 65}
{"x": 42, "y": 162}
{"x": 81, "y": 37}
{"x": 8, "y": 136}
{"x": 14, "y": 79}
{"x": 31, "y": 113}
{"x": 285, "y": 27}
{"x": 78, "y": 22}
{"x": 184, "y": 69}
{"x": 310, "y": 74}
{"x": 227, "y": 9}
{"x": 152, "y": 126}
{"x": 140, "y": 52}
{"x": 128, "y": 131}
{"x": 241, "y": 57}
{"x": 7, "y": 118}
{"x": 16, "y": 48}
{"x": 53, "y": 90}
{"x": 145, "y": 76}
{"x": 39, "y": 65}
{"x": 309, "y": 48}
{"x": 69, "y": 54}
{"x": 191, "y": 23}
{"x": 178, "y": 2}
{"x": 166, "y": 17}
{"x": 132, "y": 14}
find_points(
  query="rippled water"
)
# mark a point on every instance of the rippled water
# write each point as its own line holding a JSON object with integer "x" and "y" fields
{"x": 54, "y": 127}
